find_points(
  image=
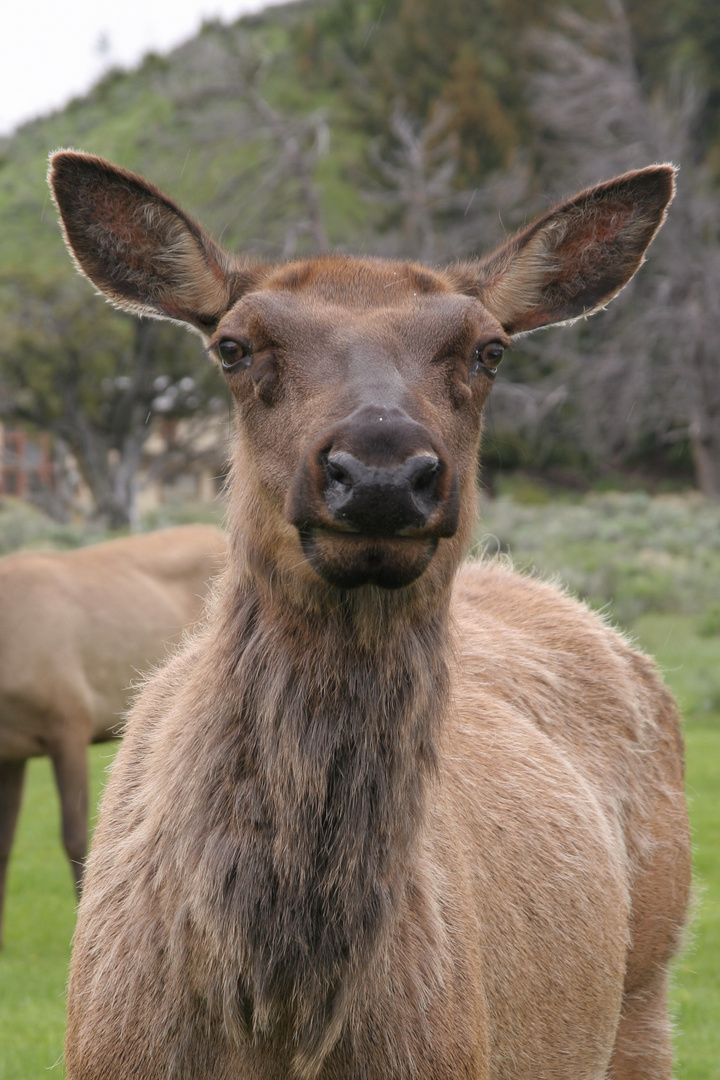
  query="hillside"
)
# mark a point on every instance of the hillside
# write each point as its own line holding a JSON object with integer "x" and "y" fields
{"x": 180, "y": 119}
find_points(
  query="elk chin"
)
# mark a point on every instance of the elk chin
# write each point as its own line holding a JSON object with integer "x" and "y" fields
{"x": 350, "y": 560}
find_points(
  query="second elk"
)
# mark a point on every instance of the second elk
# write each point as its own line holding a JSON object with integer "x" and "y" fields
{"x": 78, "y": 629}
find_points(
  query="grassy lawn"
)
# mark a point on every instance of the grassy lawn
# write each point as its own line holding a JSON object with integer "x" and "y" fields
{"x": 696, "y": 994}
{"x": 691, "y": 664}
{"x": 39, "y": 921}
{"x": 655, "y": 566}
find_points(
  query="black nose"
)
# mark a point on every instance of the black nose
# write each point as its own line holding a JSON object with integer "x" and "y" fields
{"x": 380, "y": 501}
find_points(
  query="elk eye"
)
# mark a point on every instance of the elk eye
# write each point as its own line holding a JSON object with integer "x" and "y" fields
{"x": 233, "y": 354}
{"x": 487, "y": 357}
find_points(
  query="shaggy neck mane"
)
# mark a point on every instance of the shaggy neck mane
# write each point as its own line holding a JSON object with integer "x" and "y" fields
{"x": 325, "y": 747}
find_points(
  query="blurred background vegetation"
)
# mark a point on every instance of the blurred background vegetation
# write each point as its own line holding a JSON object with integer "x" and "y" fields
{"x": 418, "y": 128}
{"x": 405, "y": 127}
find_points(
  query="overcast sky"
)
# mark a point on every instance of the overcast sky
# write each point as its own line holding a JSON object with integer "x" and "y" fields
{"x": 53, "y": 50}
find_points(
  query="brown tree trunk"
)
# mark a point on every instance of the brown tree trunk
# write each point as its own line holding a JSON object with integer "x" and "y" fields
{"x": 109, "y": 463}
{"x": 705, "y": 421}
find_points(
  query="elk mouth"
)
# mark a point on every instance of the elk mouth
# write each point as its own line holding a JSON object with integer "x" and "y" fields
{"x": 349, "y": 560}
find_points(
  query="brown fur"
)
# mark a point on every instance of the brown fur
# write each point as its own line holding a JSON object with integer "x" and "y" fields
{"x": 433, "y": 829}
{"x": 78, "y": 627}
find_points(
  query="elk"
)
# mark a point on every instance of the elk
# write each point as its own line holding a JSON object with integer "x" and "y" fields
{"x": 78, "y": 627}
{"x": 388, "y": 814}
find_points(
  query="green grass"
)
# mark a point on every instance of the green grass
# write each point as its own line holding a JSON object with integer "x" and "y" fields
{"x": 691, "y": 664}
{"x": 696, "y": 992}
{"x": 599, "y": 545}
{"x": 39, "y": 922}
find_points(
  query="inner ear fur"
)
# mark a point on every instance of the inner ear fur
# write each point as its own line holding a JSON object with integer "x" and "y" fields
{"x": 139, "y": 248}
{"x": 577, "y": 257}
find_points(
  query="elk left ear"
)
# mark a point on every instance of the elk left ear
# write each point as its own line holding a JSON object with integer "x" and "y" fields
{"x": 577, "y": 257}
{"x": 139, "y": 248}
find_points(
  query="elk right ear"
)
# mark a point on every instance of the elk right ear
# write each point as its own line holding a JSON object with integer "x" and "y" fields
{"x": 578, "y": 256}
{"x": 139, "y": 248}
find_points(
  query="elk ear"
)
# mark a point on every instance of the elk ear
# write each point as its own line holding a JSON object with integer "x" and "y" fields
{"x": 578, "y": 256}
{"x": 138, "y": 247}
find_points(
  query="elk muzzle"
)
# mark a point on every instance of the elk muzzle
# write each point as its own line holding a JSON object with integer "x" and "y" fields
{"x": 372, "y": 497}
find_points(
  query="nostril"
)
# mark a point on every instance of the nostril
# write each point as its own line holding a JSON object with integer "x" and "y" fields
{"x": 337, "y": 470}
{"x": 422, "y": 472}
{"x": 344, "y": 476}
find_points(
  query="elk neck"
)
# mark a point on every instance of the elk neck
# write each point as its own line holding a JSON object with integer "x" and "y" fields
{"x": 338, "y": 697}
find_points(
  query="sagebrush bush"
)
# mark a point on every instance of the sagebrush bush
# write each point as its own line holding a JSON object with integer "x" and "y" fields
{"x": 25, "y": 526}
{"x": 629, "y": 553}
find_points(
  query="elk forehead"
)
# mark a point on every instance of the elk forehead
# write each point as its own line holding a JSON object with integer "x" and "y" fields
{"x": 356, "y": 281}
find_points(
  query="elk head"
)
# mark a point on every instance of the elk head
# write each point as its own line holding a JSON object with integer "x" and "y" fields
{"x": 359, "y": 383}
